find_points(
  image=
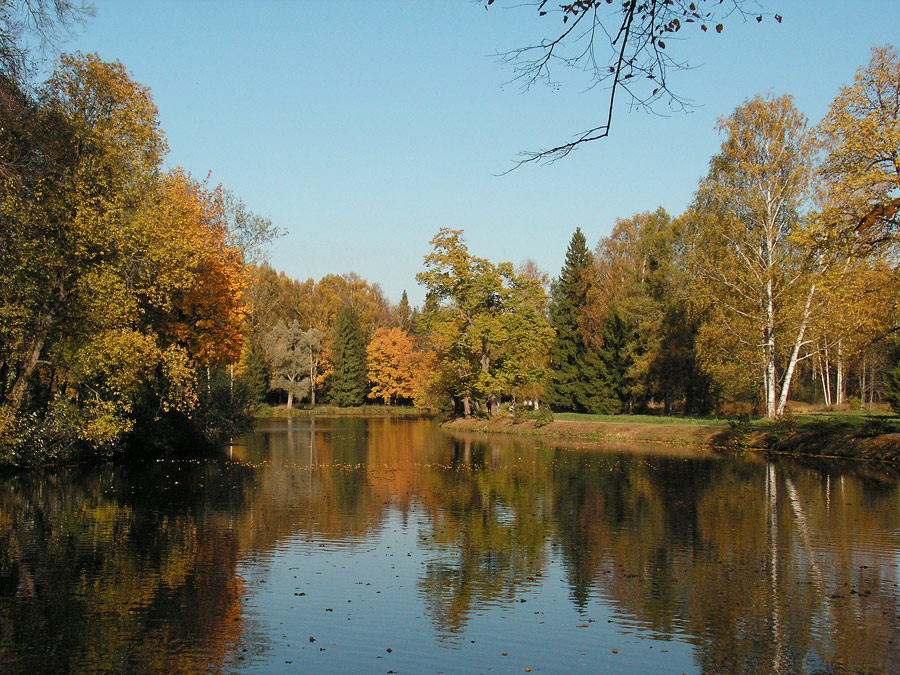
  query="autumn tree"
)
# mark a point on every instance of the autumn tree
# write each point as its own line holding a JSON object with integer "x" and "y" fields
{"x": 291, "y": 353}
{"x": 485, "y": 324}
{"x": 635, "y": 299}
{"x": 394, "y": 365}
{"x": 317, "y": 303}
{"x": 98, "y": 155}
{"x": 348, "y": 384}
{"x": 753, "y": 268}
{"x": 861, "y": 138}
{"x": 860, "y": 216}
{"x": 119, "y": 281}
{"x": 526, "y": 360}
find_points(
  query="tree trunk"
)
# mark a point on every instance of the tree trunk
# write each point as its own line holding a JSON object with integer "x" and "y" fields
{"x": 795, "y": 353}
{"x": 32, "y": 356}
{"x": 826, "y": 393}
{"x": 313, "y": 367}
{"x": 493, "y": 405}
{"x": 825, "y": 371}
{"x": 871, "y": 384}
{"x": 769, "y": 373}
{"x": 862, "y": 383}
{"x": 467, "y": 407}
{"x": 840, "y": 387}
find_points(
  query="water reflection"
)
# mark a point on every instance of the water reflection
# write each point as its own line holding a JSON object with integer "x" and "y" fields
{"x": 119, "y": 569}
{"x": 746, "y": 565}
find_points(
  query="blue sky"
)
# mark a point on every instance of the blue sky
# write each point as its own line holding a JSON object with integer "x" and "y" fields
{"x": 363, "y": 127}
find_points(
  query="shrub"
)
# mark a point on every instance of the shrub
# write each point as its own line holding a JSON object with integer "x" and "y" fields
{"x": 876, "y": 426}
{"x": 738, "y": 434}
{"x": 784, "y": 427}
{"x": 543, "y": 417}
{"x": 520, "y": 414}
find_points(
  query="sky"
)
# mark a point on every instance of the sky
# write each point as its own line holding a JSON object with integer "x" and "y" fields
{"x": 362, "y": 127}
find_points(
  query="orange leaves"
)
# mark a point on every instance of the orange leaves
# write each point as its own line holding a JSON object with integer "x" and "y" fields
{"x": 204, "y": 277}
{"x": 394, "y": 365}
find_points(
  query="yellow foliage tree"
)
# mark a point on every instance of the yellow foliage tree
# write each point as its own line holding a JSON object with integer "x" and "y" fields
{"x": 394, "y": 365}
{"x": 861, "y": 136}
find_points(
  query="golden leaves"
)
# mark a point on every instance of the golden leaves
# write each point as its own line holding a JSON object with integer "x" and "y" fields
{"x": 394, "y": 365}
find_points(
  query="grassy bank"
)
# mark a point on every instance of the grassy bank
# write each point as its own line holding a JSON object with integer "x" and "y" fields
{"x": 335, "y": 411}
{"x": 856, "y": 435}
{"x": 618, "y": 428}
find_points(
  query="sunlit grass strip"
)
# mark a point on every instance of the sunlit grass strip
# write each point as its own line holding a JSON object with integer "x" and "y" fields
{"x": 640, "y": 419}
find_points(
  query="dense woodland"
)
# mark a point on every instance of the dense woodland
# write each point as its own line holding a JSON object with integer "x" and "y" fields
{"x": 778, "y": 284}
{"x": 138, "y": 309}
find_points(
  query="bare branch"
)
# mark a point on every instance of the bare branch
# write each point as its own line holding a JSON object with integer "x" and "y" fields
{"x": 636, "y": 33}
{"x": 29, "y": 28}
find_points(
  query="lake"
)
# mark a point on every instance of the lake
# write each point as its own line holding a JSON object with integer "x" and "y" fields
{"x": 388, "y": 546}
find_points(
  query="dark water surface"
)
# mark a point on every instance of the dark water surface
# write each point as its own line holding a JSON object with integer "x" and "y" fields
{"x": 379, "y": 546}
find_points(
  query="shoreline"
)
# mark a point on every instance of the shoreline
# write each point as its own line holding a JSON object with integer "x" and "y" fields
{"x": 625, "y": 431}
{"x": 808, "y": 440}
{"x": 335, "y": 411}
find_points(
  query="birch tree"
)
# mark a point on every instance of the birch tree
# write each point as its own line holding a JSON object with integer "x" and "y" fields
{"x": 859, "y": 198}
{"x": 753, "y": 269}
{"x": 861, "y": 136}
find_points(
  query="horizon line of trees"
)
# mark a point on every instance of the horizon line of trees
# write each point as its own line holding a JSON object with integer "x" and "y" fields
{"x": 137, "y": 306}
{"x": 779, "y": 280}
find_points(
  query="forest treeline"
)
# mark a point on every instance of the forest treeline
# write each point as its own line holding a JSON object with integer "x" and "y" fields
{"x": 779, "y": 282}
{"x": 138, "y": 309}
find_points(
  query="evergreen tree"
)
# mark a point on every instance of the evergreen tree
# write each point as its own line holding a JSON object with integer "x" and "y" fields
{"x": 577, "y": 378}
{"x": 255, "y": 373}
{"x": 404, "y": 313}
{"x": 612, "y": 391}
{"x": 348, "y": 383}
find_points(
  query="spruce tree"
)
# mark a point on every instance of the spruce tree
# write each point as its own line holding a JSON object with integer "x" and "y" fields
{"x": 404, "y": 313}
{"x": 578, "y": 380}
{"x": 348, "y": 384}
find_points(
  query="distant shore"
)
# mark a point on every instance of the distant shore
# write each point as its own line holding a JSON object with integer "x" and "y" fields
{"x": 332, "y": 411}
{"x": 625, "y": 430}
{"x": 869, "y": 439}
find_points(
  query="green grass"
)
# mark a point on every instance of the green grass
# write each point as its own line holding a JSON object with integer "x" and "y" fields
{"x": 641, "y": 419}
{"x": 845, "y": 420}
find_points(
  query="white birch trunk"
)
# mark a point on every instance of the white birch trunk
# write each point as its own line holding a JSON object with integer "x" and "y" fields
{"x": 769, "y": 352}
{"x": 795, "y": 353}
{"x": 840, "y": 387}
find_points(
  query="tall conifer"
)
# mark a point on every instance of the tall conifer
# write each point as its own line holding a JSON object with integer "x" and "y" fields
{"x": 348, "y": 384}
{"x": 578, "y": 381}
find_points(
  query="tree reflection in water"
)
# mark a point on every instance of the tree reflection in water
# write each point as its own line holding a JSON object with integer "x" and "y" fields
{"x": 760, "y": 566}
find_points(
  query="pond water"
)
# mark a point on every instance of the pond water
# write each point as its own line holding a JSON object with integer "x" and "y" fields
{"x": 387, "y": 546}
